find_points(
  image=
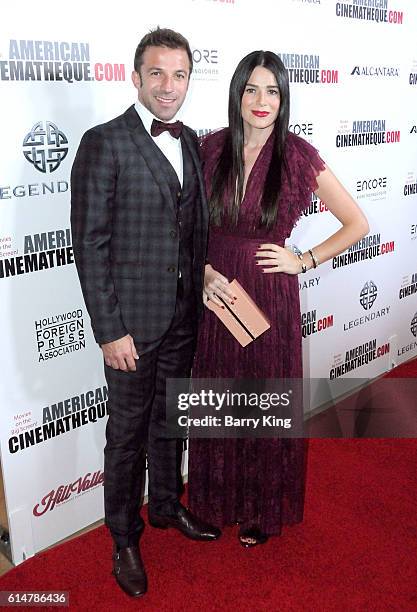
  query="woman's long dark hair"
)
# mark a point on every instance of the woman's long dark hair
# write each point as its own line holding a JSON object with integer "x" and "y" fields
{"x": 228, "y": 179}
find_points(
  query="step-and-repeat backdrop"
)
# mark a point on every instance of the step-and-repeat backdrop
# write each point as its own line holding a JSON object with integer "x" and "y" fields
{"x": 353, "y": 73}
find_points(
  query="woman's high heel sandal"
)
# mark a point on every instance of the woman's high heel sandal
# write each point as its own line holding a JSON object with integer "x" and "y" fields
{"x": 251, "y": 537}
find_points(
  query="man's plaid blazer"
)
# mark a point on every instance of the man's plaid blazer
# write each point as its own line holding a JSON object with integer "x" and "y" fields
{"x": 125, "y": 230}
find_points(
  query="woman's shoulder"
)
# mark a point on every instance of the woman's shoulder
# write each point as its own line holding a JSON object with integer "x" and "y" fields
{"x": 213, "y": 139}
{"x": 301, "y": 154}
{"x": 211, "y": 145}
{"x": 298, "y": 146}
{"x": 304, "y": 165}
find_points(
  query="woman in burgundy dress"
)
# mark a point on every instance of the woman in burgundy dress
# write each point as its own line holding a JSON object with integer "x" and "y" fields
{"x": 259, "y": 179}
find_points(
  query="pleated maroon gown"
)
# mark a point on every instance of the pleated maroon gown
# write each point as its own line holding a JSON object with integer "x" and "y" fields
{"x": 254, "y": 481}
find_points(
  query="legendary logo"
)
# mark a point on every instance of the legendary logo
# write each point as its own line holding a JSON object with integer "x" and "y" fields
{"x": 311, "y": 283}
{"x": 44, "y": 146}
{"x": 368, "y": 295}
{"x": 413, "y": 325}
{"x": 367, "y": 299}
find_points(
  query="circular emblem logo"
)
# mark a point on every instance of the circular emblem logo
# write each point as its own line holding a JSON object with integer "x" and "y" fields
{"x": 413, "y": 326}
{"x": 44, "y": 146}
{"x": 368, "y": 295}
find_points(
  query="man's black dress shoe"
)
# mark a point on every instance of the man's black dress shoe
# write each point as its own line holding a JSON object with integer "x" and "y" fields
{"x": 129, "y": 571}
{"x": 185, "y": 522}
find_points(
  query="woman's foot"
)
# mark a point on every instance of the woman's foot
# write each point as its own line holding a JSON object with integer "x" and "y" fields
{"x": 251, "y": 537}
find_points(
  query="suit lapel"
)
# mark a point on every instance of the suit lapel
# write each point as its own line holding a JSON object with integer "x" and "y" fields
{"x": 146, "y": 145}
{"x": 190, "y": 142}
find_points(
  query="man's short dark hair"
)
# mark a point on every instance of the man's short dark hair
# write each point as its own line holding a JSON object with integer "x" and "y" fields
{"x": 162, "y": 37}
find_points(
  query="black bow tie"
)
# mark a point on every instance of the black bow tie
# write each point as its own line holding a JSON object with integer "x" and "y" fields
{"x": 174, "y": 129}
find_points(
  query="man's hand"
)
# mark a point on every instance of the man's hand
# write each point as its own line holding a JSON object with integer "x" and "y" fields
{"x": 120, "y": 354}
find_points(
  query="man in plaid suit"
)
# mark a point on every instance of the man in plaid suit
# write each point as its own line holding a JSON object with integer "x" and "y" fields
{"x": 139, "y": 221}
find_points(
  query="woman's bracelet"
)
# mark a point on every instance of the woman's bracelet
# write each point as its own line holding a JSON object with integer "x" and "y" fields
{"x": 299, "y": 254}
{"x": 314, "y": 258}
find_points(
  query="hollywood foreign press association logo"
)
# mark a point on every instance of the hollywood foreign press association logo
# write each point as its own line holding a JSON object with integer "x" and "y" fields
{"x": 44, "y": 146}
{"x": 368, "y": 295}
{"x": 413, "y": 326}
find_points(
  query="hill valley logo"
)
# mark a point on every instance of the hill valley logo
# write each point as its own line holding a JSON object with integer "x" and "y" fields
{"x": 64, "y": 493}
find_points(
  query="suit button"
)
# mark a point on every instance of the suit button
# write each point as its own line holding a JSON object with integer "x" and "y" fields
{"x": 178, "y": 195}
{"x": 171, "y": 268}
{"x": 173, "y": 234}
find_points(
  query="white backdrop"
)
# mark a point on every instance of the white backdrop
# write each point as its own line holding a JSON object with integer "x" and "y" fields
{"x": 353, "y": 70}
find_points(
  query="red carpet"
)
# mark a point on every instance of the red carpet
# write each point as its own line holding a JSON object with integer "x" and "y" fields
{"x": 355, "y": 550}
